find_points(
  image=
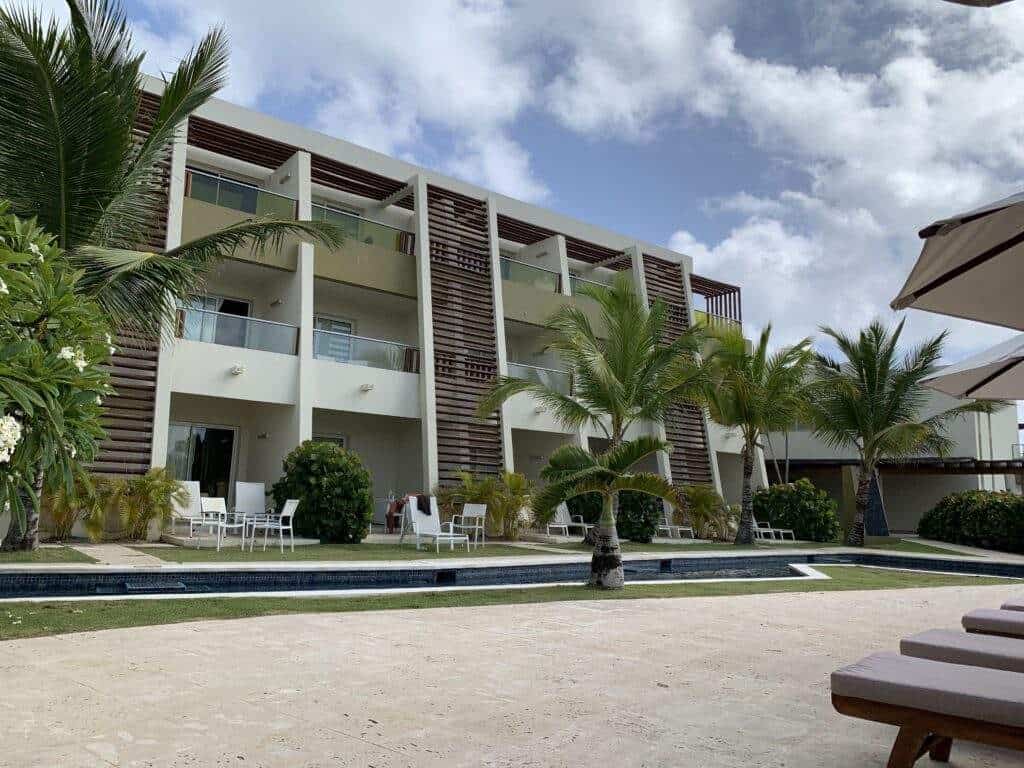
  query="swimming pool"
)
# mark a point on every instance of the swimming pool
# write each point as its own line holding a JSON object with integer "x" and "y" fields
{"x": 100, "y": 583}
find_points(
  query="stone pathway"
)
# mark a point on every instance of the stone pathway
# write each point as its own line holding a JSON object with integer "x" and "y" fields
{"x": 116, "y": 554}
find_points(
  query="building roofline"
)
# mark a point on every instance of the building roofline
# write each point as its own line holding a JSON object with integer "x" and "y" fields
{"x": 316, "y": 142}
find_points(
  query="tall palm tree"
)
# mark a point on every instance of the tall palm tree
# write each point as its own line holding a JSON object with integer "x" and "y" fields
{"x": 572, "y": 471}
{"x": 755, "y": 392}
{"x": 74, "y": 156}
{"x": 872, "y": 402}
{"x": 626, "y": 376}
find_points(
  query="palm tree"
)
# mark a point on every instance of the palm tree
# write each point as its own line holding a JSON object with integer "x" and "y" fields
{"x": 756, "y": 392}
{"x": 573, "y": 471}
{"x": 75, "y": 159}
{"x": 626, "y": 376}
{"x": 873, "y": 401}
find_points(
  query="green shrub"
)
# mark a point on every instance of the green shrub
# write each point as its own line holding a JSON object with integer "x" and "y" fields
{"x": 123, "y": 507}
{"x": 506, "y": 498}
{"x": 810, "y": 512}
{"x": 334, "y": 490}
{"x": 588, "y": 505}
{"x": 706, "y": 512}
{"x": 987, "y": 519}
{"x": 640, "y": 514}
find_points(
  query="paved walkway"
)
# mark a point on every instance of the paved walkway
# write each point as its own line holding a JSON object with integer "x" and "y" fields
{"x": 115, "y": 554}
{"x": 715, "y": 683}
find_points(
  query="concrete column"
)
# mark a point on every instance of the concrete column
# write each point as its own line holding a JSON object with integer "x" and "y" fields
{"x": 563, "y": 264}
{"x": 508, "y": 460}
{"x": 165, "y": 360}
{"x": 428, "y": 394}
{"x": 636, "y": 259}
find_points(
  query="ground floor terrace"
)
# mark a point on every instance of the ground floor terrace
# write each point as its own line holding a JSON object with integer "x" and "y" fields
{"x": 716, "y": 682}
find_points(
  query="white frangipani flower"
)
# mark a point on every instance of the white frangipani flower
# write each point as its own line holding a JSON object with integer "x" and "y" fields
{"x": 10, "y": 434}
{"x": 3, "y": 287}
{"x": 35, "y": 249}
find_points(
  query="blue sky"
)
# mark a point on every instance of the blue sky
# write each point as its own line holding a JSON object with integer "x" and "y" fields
{"x": 791, "y": 147}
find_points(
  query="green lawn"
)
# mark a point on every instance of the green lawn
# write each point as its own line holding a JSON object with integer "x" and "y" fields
{"x": 896, "y": 544}
{"x": 20, "y": 620}
{"x": 46, "y": 555}
{"x": 330, "y": 552}
{"x": 879, "y": 542}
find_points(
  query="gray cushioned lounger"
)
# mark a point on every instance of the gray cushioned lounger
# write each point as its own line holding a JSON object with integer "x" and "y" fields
{"x": 989, "y": 621}
{"x": 1014, "y": 604}
{"x": 974, "y": 650}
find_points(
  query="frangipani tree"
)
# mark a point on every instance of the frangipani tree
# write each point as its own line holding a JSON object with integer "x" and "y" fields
{"x": 623, "y": 376}
{"x": 572, "y": 471}
{"x": 872, "y": 401}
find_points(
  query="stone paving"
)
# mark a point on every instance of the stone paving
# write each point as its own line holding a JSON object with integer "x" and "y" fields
{"x": 708, "y": 682}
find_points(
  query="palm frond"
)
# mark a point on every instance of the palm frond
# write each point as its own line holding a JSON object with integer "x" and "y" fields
{"x": 623, "y": 456}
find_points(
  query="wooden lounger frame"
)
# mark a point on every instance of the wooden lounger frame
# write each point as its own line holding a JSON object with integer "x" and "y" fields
{"x": 927, "y": 733}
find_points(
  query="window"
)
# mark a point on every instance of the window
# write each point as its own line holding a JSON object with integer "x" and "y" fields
{"x": 331, "y": 437}
{"x": 204, "y": 325}
{"x": 332, "y": 338}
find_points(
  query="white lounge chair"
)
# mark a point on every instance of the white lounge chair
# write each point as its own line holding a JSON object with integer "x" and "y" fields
{"x": 282, "y": 524}
{"x": 669, "y": 527}
{"x": 428, "y": 526}
{"x": 767, "y": 533}
{"x": 473, "y": 522}
{"x": 192, "y": 512}
{"x": 251, "y": 506}
{"x": 564, "y": 521}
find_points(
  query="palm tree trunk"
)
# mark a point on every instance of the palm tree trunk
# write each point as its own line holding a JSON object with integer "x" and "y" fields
{"x": 606, "y": 563}
{"x": 855, "y": 536}
{"x": 787, "y": 458}
{"x": 26, "y": 538}
{"x": 745, "y": 532}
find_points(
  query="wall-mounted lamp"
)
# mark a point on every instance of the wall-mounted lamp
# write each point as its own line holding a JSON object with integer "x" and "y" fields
{"x": 262, "y": 435}
{"x": 366, "y": 388}
{"x": 539, "y": 409}
{"x": 277, "y": 302}
{"x": 237, "y": 370}
{"x": 284, "y": 179}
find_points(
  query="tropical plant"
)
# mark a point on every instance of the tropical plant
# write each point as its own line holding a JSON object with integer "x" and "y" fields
{"x": 334, "y": 489}
{"x": 572, "y": 471}
{"x": 506, "y": 497}
{"x": 756, "y": 392}
{"x": 706, "y": 512}
{"x": 872, "y": 402}
{"x": 69, "y": 505}
{"x": 628, "y": 375}
{"x": 809, "y": 512}
{"x": 987, "y": 519}
{"x": 639, "y": 516}
{"x": 87, "y": 159}
{"x": 51, "y": 339}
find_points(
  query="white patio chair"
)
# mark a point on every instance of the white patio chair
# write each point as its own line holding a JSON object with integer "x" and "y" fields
{"x": 472, "y": 521}
{"x": 668, "y": 526}
{"x": 215, "y": 513}
{"x": 564, "y": 521}
{"x": 192, "y": 512}
{"x": 281, "y": 523}
{"x": 429, "y": 526}
{"x": 767, "y": 533}
{"x": 251, "y": 505}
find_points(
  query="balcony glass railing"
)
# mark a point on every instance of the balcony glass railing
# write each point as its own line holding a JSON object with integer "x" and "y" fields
{"x": 227, "y": 193}
{"x": 372, "y": 353}
{"x": 700, "y": 317}
{"x": 236, "y": 331}
{"x": 576, "y": 283}
{"x": 365, "y": 231}
{"x": 517, "y": 272}
{"x": 560, "y": 381}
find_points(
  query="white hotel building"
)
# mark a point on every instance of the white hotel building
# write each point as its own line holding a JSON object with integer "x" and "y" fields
{"x": 386, "y": 343}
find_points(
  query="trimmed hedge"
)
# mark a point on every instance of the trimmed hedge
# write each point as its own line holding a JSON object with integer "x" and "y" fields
{"x": 639, "y": 513}
{"x": 334, "y": 490}
{"x": 986, "y": 519}
{"x": 810, "y": 512}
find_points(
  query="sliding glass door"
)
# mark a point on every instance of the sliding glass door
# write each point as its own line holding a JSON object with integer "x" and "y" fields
{"x": 204, "y": 453}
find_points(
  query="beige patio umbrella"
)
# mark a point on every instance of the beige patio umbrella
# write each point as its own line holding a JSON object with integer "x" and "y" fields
{"x": 972, "y": 266}
{"x": 995, "y": 374}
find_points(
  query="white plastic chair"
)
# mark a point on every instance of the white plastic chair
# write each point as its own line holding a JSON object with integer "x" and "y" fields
{"x": 281, "y": 523}
{"x": 564, "y": 521}
{"x": 251, "y": 505}
{"x": 668, "y": 526}
{"x": 215, "y": 513}
{"x": 767, "y": 533}
{"x": 192, "y": 512}
{"x": 472, "y": 521}
{"x": 428, "y": 526}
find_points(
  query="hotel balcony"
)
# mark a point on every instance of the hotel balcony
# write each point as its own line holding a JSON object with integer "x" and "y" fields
{"x": 532, "y": 293}
{"x": 374, "y": 255}
{"x": 213, "y": 202}
{"x": 529, "y": 360}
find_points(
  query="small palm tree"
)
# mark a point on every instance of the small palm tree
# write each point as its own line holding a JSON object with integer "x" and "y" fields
{"x": 74, "y": 158}
{"x": 872, "y": 402}
{"x": 756, "y": 392}
{"x": 628, "y": 375}
{"x": 572, "y": 471}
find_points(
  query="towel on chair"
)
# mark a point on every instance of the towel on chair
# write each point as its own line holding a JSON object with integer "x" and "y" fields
{"x": 423, "y": 503}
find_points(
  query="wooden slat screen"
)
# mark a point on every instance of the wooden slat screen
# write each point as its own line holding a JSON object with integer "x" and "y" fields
{"x": 465, "y": 345}
{"x": 685, "y": 429}
{"x": 723, "y": 299}
{"x": 523, "y": 232}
